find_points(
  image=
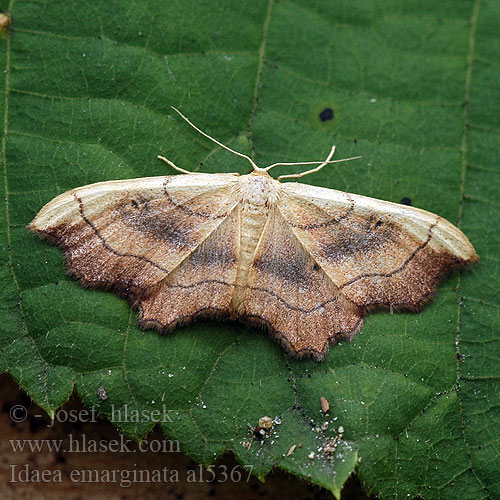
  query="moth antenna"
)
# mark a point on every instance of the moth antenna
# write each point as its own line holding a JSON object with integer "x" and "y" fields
{"x": 319, "y": 167}
{"x": 173, "y": 165}
{"x": 216, "y": 141}
{"x": 320, "y": 164}
{"x": 328, "y": 158}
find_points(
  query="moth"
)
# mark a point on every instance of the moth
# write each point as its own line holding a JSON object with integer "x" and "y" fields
{"x": 305, "y": 262}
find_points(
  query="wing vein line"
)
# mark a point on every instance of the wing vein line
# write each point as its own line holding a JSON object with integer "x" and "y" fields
{"x": 403, "y": 265}
{"x": 106, "y": 245}
{"x": 187, "y": 210}
{"x": 141, "y": 257}
{"x": 327, "y": 223}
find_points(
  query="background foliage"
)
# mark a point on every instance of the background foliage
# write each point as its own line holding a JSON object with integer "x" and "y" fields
{"x": 414, "y": 88}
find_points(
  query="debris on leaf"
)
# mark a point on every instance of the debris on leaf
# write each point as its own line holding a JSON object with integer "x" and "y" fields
{"x": 4, "y": 21}
{"x": 247, "y": 444}
{"x": 102, "y": 394}
{"x": 331, "y": 443}
{"x": 257, "y": 431}
{"x": 260, "y": 431}
{"x": 291, "y": 450}
{"x": 325, "y": 405}
{"x": 265, "y": 422}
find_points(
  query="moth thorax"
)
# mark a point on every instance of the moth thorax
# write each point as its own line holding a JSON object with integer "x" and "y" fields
{"x": 259, "y": 189}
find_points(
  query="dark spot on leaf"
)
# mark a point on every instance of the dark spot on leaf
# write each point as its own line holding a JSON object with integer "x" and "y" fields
{"x": 326, "y": 114}
{"x": 406, "y": 201}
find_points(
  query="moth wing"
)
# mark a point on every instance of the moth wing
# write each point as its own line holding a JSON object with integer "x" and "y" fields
{"x": 376, "y": 253}
{"x": 202, "y": 285}
{"x": 130, "y": 234}
{"x": 290, "y": 294}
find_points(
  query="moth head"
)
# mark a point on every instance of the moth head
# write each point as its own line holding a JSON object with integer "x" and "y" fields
{"x": 259, "y": 188}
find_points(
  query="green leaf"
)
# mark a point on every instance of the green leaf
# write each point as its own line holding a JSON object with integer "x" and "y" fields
{"x": 414, "y": 89}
